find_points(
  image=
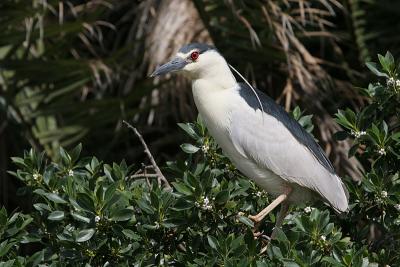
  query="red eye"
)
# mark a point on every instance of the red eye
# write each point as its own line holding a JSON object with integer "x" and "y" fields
{"x": 194, "y": 55}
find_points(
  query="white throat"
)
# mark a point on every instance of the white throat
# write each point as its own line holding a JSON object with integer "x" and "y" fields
{"x": 213, "y": 70}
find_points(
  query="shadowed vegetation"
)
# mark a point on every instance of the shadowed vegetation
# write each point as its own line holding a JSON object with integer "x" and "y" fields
{"x": 72, "y": 71}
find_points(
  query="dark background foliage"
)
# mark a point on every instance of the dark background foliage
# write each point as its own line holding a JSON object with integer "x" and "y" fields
{"x": 71, "y": 71}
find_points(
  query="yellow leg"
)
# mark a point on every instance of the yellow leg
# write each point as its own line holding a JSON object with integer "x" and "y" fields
{"x": 260, "y": 216}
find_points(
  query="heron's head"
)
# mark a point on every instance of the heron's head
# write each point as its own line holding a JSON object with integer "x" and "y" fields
{"x": 196, "y": 60}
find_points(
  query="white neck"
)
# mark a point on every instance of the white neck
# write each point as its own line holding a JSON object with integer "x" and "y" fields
{"x": 220, "y": 76}
{"x": 214, "y": 70}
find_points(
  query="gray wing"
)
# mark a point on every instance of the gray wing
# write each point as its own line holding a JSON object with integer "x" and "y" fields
{"x": 275, "y": 110}
{"x": 276, "y": 141}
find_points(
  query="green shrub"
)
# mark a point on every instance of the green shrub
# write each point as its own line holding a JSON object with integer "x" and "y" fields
{"x": 86, "y": 212}
{"x": 375, "y": 211}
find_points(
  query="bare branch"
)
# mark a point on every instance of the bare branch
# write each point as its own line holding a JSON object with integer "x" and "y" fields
{"x": 144, "y": 175}
{"x": 161, "y": 177}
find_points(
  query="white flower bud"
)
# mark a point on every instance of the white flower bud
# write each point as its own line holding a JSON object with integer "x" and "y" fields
{"x": 307, "y": 209}
{"x": 390, "y": 82}
{"x": 205, "y": 148}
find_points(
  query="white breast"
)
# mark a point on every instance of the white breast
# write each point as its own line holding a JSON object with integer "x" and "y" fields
{"x": 214, "y": 107}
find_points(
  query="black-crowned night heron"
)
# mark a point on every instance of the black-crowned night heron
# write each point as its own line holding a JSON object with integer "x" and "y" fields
{"x": 257, "y": 135}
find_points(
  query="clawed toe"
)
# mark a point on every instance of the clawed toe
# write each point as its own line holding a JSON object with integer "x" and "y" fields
{"x": 257, "y": 234}
{"x": 260, "y": 216}
{"x": 265, "y": 237}
{"x": 264, "y": 249}
{"x": 265, "y": 240}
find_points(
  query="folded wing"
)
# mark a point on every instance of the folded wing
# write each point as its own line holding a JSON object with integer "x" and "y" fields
{"x": 276, "y": 141}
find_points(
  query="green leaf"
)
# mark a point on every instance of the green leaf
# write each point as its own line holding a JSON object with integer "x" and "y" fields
{"x": 79, "y": 217}
{"x": 56, "y": 215}
{"x": 9, "y": 263}
{"x": 5, "y": 247}
{"x": 280, "y": 235}
{"x": 154, "y": 201}
{"x": 213, "y": 242}
{"x": 85, "y": 201}
{"x": 75, "y": 153}
{"x": 36, "y": 258}
{"x": 222, "y": 197}
{"x": 65, "y": 157}
{"x": 374, "y": 68}
{"x": 110, "y": 192}
{"x": 122, "y": 215}
{"x": 115, "y": 199}
{"x": 183, "y": 204}
{"x": 41, "y": 207}
{"x": 387, "y": 62}
{"x": 345, "y": 118}
{"x": 131, "y": 235}
{"x": 396, "y": 136}
{"x": 299, "y": 223}
{"x": 144, "y": 206}
{"x": 174, "y": 222}
{"x": 296, "y": 113}
{"x": 182, "y": 188}
{"x": 189, "y": 148}
{"x": 84, "y": 235}
{"x": 236, "y": 242}
{"x": 246, "y": 221}
{"x": 390, "y": 59}
{"x": 19, "y": 161}
{"x": 188, "y": 128}
{"x": 55, "y": 198}
{"x": 328, "y": 228}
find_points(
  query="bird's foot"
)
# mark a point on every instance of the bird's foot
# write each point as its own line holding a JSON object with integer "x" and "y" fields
{"x": 257, "y": 234}
{"x": 264, "y": 249}
{"x": 256, "y": 223}
{"x": 265, "y": 240}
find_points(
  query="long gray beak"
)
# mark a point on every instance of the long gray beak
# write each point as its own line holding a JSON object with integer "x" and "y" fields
{"x": 174, "y": 65}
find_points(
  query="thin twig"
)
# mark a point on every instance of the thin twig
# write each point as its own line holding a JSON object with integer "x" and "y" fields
{"x": 144, "y": 175}
{"x": 144, "y": 169}
{"x": 161, "y": 177}
{"x": 148, "y": 181}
